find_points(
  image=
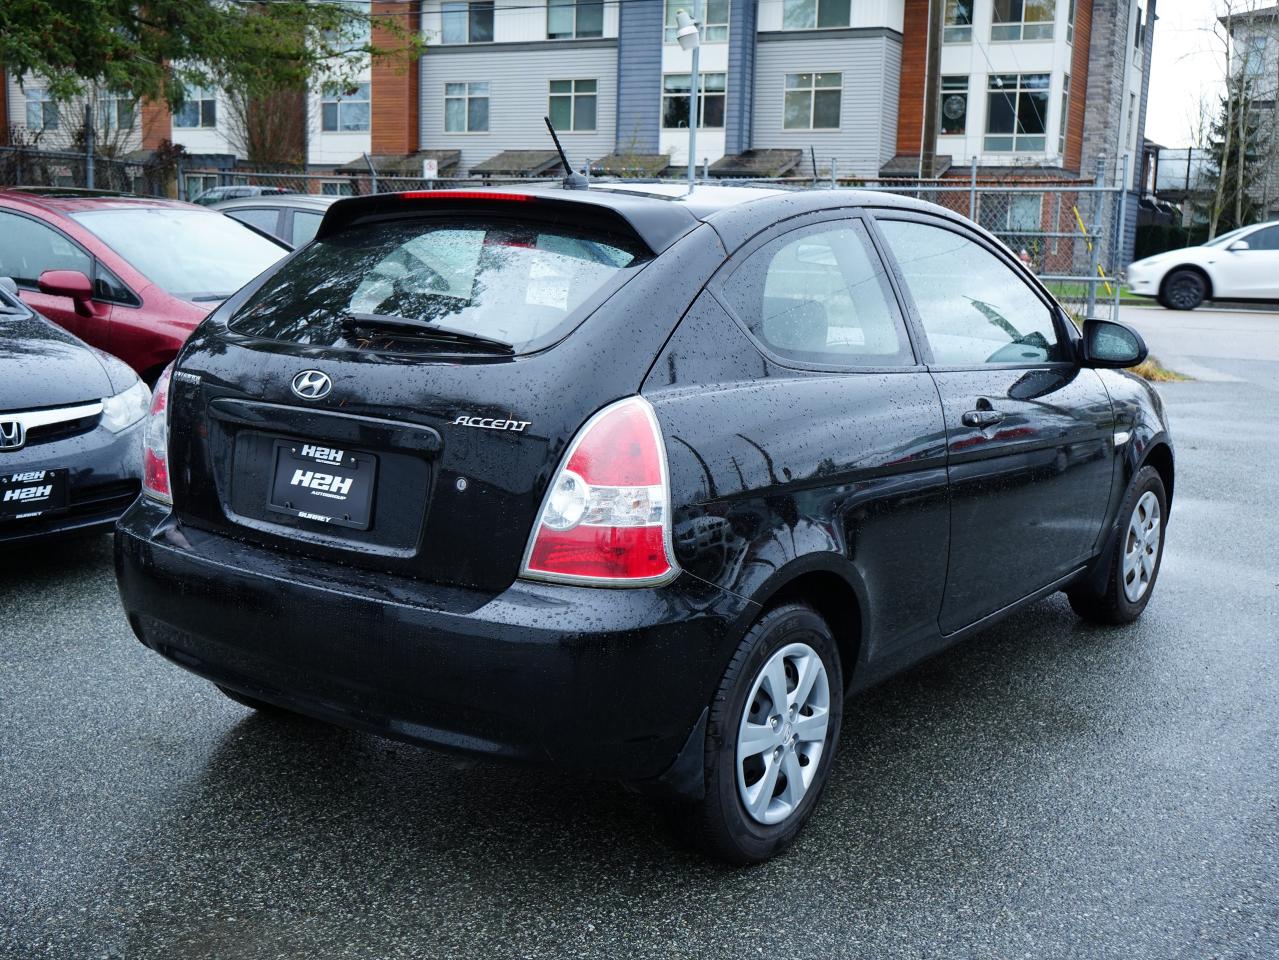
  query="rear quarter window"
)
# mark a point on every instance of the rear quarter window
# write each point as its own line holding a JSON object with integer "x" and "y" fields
{"x": 524, "y": 284}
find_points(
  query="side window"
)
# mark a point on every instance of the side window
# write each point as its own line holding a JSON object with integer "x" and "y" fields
{"x": 305, "y": 224}
{"x": 820, "y": 295}
{"x": 264, "y": 218}
{"x": 973, "y": 306}
{"x": 107, "y": 286}
{"x": 1267, "y": 239}
{"x": 29, "y": 248}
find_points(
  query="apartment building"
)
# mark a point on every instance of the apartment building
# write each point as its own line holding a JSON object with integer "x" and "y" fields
{"x": 1254, "y": 35}
{"x": 1027, "y": 87}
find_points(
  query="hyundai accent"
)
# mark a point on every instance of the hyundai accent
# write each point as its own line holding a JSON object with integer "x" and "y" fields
{"x": 636, "y": 483}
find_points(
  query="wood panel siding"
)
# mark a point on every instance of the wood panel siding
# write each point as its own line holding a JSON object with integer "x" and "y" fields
{"x": 395, "y": 84}
{"x": 910, "y": 101}
{"x": 1078, "y": 85}
{"x": 157, "y": 123}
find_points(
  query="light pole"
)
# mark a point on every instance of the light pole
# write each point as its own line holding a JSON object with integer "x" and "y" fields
{"x": 689, "y": 37}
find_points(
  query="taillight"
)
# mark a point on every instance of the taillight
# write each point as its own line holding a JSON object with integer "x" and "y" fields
{"x": 155, "y": 443}
{"x": 606, "y": 517}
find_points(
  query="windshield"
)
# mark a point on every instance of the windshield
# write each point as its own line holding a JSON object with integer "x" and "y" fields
{"x": 192, "y": 254}
{"x": 514, "y": 283}
{"x": 1228, "y": 237}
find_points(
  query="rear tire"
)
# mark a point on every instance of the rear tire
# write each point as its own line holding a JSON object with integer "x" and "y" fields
{"x": 753, "y": 740}
{"x": 1134, "y": 557}
{"x": 1183, "y": 289}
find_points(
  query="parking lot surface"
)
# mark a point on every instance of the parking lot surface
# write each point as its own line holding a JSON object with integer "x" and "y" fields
{"x": 1048, "y": 789}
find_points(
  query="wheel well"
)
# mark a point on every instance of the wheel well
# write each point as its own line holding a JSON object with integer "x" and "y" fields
{"x": 832, "y": 597}
{"x": 1194, "y": 269}
{"x": 1160, "y": 457}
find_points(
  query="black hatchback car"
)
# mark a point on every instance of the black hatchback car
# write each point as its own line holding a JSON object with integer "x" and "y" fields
{"x": 635, "y": 483}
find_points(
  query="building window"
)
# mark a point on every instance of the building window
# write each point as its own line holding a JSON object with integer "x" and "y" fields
{"x": 1139, "y": 35}
{"x": 812, "y": 101}
{"x": 566, "y": 19}
{"x": 958, "y": 27}
{"x": 1023, "y": 20}
{"x": 345, "y": 111}
{"x": 1065, "y": 115}
{"x": 815, "y": 14}
{"x": 355, "y": 36}
{"x": 199, "y": 108}
{"x": 42, "y": 111}
{"x": 467, "y": 22}
{"x": 336, "y": 188}
{"x": 115, "y": 112}
{"x": 1132, "y": 121}
{"x": 675, "y": 91}
{"x": 573, "y": 104}
{"x": 196, "y": 183}
{"x": 1016, "y": 107}
{"x": 714, "y": 19}
{"x": 1070, "y": 22}
{"x": 954, "y": 105}
{"x": 466, "y": 107}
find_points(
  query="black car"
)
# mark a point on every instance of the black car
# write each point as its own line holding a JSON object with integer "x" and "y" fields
{"x": 71, "y": 421}
{"x": 635, "y": 483}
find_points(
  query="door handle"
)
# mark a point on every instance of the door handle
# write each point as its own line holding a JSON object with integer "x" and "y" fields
{"x": 981, "y": 418}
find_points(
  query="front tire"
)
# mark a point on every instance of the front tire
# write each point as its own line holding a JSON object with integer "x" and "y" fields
{"x": 771, "y": 737}
{"x": 1184, "y": 289}
{"x": 1134, "y": 558}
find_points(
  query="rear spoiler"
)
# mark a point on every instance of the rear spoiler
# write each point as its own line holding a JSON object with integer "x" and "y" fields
{"x": 656, "y": 222}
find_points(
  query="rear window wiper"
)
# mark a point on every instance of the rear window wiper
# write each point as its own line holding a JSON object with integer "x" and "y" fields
{"x": 422, "y": 330}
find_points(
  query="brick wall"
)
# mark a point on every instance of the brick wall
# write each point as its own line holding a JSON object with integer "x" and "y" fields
{"x": 394, "y": 82}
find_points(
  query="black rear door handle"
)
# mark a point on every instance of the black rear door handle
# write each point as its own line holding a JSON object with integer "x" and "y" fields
{"x": 981, "y": 418}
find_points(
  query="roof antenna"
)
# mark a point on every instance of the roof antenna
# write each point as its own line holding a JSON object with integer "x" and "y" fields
{"x": 571, "y": 181}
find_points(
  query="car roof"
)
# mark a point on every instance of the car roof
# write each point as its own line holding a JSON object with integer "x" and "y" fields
{"x": 658, "y": 212}
{"x": 276, "y": 200}
{"x": 67, "y": 201}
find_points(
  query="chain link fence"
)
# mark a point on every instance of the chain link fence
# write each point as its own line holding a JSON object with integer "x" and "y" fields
{"x": 1073, "y": 233}
{"x": 29, "y": 167}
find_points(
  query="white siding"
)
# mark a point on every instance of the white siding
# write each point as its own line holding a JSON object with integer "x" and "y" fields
{"x": 519, "y": 87}
{"x": 61, "y": 139}
{"x": 867, "y": 131}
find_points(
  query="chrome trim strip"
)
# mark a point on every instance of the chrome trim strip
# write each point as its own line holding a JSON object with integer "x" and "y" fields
{"x": 44, "y": 418}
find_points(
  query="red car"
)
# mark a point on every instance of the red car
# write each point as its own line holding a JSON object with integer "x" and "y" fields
{"x": 132, "y": 276}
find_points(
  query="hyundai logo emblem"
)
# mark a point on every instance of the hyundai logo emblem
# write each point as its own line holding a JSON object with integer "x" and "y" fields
{"x": 312, "y": 385}
{"x": 12, "y": 434}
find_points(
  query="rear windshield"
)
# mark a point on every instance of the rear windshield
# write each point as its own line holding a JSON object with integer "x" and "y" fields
{"x": 517, "y": 283}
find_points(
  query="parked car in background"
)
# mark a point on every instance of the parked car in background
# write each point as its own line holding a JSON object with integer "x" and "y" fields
{"x": 217, "y": 194}
{"x": 1240, "y": 265}
{"x": 71, "y": 420}
{"x": 128, "y": 275}
{"x": 293, "y": 218}
{"x": 634, "y": 481}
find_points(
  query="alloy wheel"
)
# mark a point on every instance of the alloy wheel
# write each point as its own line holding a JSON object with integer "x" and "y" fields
{"x": 1185, "y": 291}
{"x": 782, "y": 733}
{"x": 1141, "y": 547}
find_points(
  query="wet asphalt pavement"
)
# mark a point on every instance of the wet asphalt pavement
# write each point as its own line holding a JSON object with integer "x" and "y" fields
{"x": 1047, "y": 790}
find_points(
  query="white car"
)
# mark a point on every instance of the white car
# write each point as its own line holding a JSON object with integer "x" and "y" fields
{"x": 1240, "y": 265}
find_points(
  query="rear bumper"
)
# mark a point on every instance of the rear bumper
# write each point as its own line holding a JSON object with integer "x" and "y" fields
{"x": 609, "y": 683}
{"x": 105, "y": 477}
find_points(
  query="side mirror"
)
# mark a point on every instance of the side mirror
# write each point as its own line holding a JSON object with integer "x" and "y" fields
{"x": 1112, "y": 345}
{"x": 68, "y": 283}
{"x": 1239, "y": 245}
